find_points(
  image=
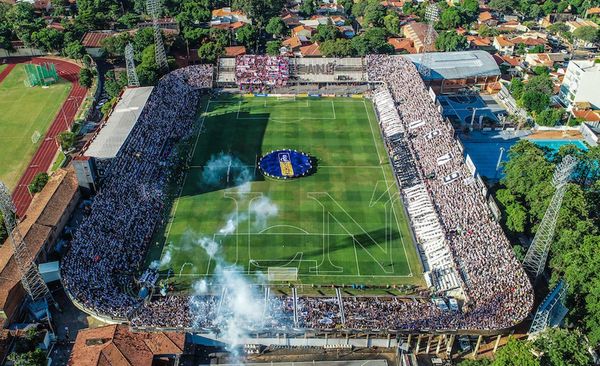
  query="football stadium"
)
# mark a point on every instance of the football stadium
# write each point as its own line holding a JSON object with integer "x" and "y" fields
{"x": 249, "y": 199}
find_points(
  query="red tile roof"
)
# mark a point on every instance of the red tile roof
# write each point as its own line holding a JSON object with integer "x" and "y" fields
{"x": 310, "y": 50}
{"x": 94, "y": 39}
{"x": 235, "y": 51}
{"x": 116, "y": 345}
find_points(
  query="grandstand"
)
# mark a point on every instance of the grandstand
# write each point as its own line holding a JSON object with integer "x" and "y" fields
{"x": 464, "y": 251}
{"x": 305, "y": 71}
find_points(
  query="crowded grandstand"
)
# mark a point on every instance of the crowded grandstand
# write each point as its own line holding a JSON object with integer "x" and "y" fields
{"x": 464, "y": 251}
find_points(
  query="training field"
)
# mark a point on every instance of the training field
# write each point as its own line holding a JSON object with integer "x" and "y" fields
{"x": 342, "y": 225}
{"x": 23, "y": 112}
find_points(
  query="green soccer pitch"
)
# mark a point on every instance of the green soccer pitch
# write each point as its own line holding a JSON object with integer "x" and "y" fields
{"x": 343, "y": 225}
{"x": 24, "y": 111}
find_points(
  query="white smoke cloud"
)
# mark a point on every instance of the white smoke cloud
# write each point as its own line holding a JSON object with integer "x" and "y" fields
{"x": 163, "y": 262}
{"x": 262, "y": 209}
{"x": 227, "y": 169}
{"x": 242, "y": 309}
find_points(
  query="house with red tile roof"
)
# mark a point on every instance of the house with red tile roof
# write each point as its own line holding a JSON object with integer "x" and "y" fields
{"x": 117, "y": 345}
{"x": 402, "y": 45}
{"x": 92, "y": 41}
{"x": 310, "y": 50}
{"x": 234, "y": 51}
{"x": 503, "y": 45}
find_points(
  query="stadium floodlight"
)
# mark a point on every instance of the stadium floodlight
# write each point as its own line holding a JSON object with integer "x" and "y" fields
{"x": 32, "y": 280}
{"x": 536, "y": 256}
{"x": 132, "y": 78}
{"x": 154, "y": 9}
{"x": 432, "y": 14}
{"x": 551, "y": 311}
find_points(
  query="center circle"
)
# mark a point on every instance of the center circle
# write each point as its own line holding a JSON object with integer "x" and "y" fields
{"x": 285, "y": 164}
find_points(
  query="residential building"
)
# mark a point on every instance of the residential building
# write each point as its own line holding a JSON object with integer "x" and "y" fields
{"x": 41, "y": 228}
{"x": 311, "y": 50}
{"x": 486, "y": 18}
{"x": 303, "y": 31}
{"x": 402, "y": 45}
{"x": 92, "y": 41}
{"x": 503, "y": 45}
{"x": 417, "y": 32}
{"x": 117, "y": 345}
{"x": 234, "y": 51}
{"x": 544, "y": 59}
{"x": 580, "y": 84}
{"x": 227, "y": 16}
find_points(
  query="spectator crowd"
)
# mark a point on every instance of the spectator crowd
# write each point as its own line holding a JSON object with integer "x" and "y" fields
{"x": 257, "y": 73}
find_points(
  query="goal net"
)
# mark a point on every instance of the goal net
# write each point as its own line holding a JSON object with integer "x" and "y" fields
{"x": 287, "y": 97}
{"x": 282, "y": 274}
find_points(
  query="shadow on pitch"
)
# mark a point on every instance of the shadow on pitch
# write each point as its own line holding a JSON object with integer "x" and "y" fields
{"x": 234, "y": 132}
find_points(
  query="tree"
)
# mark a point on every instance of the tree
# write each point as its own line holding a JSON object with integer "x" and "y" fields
{"x": 193, "y": 13}
{"x": 74, "y": 50}
{"x": 38, "y": 182}
{"x": 451, "y": 41}
{"x": 147, "y": 70}
{"x": 450, "y": 18}
{"x": 536, "y": 49}
{"x": 273, "y": 48}
{"x": 276, "y": 27}
{"x": 470, "y": 8}
{"x": 549, "y": 117}
{"x": 36, "y": 357}
{"x": 66, "y": 139}
{"x": 515, "y": 353}
{"x": 259, "y": 11}
{"x": 24, "y": 22}
{"x": 114, "y": 83}
{"x": 586, "y": 33}
{"x": 373, "y": 40}
{"x": 308, "y": 8}
{"x": 561, "y": 347}
{"x": 548, "y": 6}
{"x": 86, "y": 78}
{"x": 326, "y": 32}
{"x": 339, "y": 48}
{"x": 391, "y": 22}
{"x": 486, "y": 31}
{"x": 558, "y": 27}
{"x": 482, "y": 362}
{"x": 210, "y": 52}
{"x": 374, "y": 13}
{"x": 48, "y": 39}
{"x": 503, "y": 6}
{"x": 516, "y": 88}
{"x": 247, "y": 35}
{"x": 115, "y": 45}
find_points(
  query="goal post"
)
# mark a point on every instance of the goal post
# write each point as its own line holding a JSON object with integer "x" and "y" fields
{"x": 282, "y": 274}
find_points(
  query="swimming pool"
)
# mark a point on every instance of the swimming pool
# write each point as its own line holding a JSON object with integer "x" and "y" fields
{"x": 485, "y": 153}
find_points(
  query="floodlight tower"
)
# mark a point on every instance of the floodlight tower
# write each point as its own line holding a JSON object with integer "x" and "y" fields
{"x": 30, "y": 276}
{"x": 431, "y": 16}
{"x": 132, "y": 78}
{"x": 154, "y": 10}
{"x": 536, "y": 256}
{"x": 551, "y": 311}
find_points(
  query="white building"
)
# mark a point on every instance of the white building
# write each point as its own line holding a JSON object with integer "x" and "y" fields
{"x": 581, "y": 83}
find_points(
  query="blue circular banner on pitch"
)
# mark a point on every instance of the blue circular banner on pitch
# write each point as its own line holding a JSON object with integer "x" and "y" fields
{"x": 284, "y": 164}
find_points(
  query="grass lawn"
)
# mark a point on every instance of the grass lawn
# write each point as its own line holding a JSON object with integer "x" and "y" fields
{"x": 342, "y": 225}
{"x": 24, "y": 111}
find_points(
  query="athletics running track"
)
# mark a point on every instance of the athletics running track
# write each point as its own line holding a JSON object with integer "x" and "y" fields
{"x": 43, "y": 157}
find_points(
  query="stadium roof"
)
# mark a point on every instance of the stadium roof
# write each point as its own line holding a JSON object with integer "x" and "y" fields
{"x": 111, "y": 137}
{"x": 458, "y": 65}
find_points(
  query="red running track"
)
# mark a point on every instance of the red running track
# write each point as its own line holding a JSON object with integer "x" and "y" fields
{"x": 45, "y": 153}
{"x": 6, "y": 71}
